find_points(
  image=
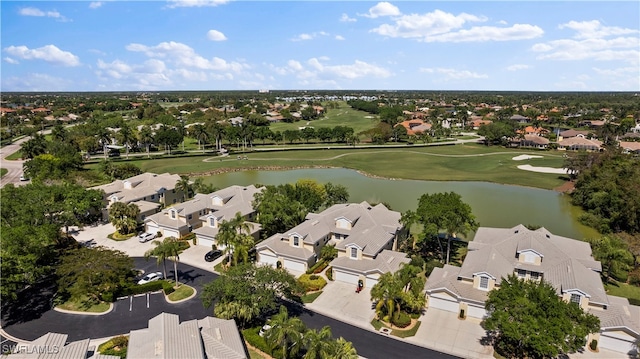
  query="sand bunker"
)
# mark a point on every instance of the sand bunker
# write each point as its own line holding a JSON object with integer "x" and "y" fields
{"x": 562, "y": 171}
{"x": 524, "y": 157}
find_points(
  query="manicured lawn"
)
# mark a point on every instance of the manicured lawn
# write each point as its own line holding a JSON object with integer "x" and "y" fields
{"x": 80, "y": 305}
{"x": 184, "y": 291}
{"x": 15, "y": 156}
{"x": 309, "y": 298}
{"x": 3, "y": 171}
{"x": 342, "y": 116}
{"x": 624, "y": 290}
{"x": 468, "y": 162}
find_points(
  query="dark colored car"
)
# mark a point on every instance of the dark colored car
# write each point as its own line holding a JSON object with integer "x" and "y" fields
{"x": 212, "y": 255}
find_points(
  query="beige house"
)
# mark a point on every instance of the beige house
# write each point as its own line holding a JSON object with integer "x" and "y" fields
{"x": 149, "y": 191}
{"x": 567, "y": 264}
{"x": 55, "y": 346}
{"x": 203, "y": 214}
{"x": 167, "y": 338}
{"x": 579, "y": 142}
{"x": 364, "y": 235}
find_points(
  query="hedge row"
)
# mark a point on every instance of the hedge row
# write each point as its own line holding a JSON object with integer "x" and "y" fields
{"x": 312, "y": 282}
{"x": 252, "y": 336}
{"x": 329, "y": 273}
{"x": 318, "y": 267}
{"x": 135, "y": 289}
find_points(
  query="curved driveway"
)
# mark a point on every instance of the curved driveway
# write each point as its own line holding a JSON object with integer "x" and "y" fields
{"x": 134, "y": 313}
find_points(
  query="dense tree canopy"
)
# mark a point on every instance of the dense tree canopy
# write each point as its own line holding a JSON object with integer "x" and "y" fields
{"x": 608, "y": 188}
{"x": 528, "y": 319}
{"x": 245, "y": 291}
{"x": 94, "y": 272}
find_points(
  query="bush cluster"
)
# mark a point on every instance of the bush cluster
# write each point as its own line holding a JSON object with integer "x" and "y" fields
{"x": 318, "y": 267}
{"x": 116, "y": 346}
{"x": 329, "y": 273}
{"x": 252, "y": 336}
{"x": 401, "y": 319}
{"x": 312, "y": 282}
{"x": 134, "y": 289}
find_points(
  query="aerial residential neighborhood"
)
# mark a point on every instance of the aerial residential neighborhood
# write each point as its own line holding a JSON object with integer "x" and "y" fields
{"x": 226, "y": 179}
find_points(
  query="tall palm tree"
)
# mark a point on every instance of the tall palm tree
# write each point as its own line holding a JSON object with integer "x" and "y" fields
{"x": 387, "y": 294}
{"x": 244, "y": 243}
{"x": 126, "y": 135}
{"x": 124, "y": 216}
{"x": 161, "y": 252}
{"x": 317, "y": 343}
{"x": 216, "y": 130}
{"x": 342, "y": 349}
{"x": 226, "y": 238}
{"x": 184, "y": 185}
{"x": 200, "y": 133}
{"x": 173, "y": 251}
{"x": 145, "y": 136}
{"x": 236, "y": 234}
{"x": 285, "y": 332}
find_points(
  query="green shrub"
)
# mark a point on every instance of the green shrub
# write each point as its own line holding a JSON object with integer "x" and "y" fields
{"x": 182, "y": 245}
{"x": 329, "y": 273}
{"x": 401, "y": 320}
{"x": 188, "y": 237}
{"x": 116, "y": 346}
{"x": 134, "y": 289}
{"x": 108, "y": 297}
{"x": 634, "y": 301}
{"x": 167, "y": 287}
{"x": 312, "y": 284}
{"x": 593, "y": 345}
{"x": 159, "y": 234}
{"x": 318, "y": 267}
{"x": 252, "y": 336}
{"x": 432, "y": 264}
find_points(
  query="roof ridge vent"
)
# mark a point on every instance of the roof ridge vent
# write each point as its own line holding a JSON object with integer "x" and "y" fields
{"x": 218, "y": 334}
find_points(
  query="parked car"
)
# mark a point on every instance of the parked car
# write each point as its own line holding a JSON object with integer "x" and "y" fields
{"x": 24, "y": 178}
{"x": 151, "y": 277}
{"x": 145, "y": 237}
{"x": 212, "y": 255}
{"x": 264, "y": 329}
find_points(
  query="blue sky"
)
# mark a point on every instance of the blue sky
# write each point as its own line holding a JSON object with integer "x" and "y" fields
{"x": 238, "y": 45}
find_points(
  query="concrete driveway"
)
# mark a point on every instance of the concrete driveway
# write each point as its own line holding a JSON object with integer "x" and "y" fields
{"x": 339, "y": 300}
{"x": 443, "y": 331}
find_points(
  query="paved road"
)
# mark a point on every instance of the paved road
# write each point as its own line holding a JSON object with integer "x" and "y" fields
{"x": 14, "y": 167}
{"x": 134, "y": 312}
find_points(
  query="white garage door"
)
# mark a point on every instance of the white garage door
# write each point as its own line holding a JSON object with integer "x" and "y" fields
{"x": 267, "y": 259}
{"x": 444, "y": 304}
{"x": 294, "y": 266}
{"x": 615, "y": 342}
{"x": 171, "y": 233}
{"x": 205, "y": 242}
{"x": 371, "y": 282}
{"x": 476, "y": 312}
{"x": 151, "y": 228}
{"x": 346, "y": 277}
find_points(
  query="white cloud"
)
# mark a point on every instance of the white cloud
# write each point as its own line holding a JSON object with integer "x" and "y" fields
{"x": 592, "y": 40}
{"x": 150, "y": 74}
{"x": 32, "y": 11}
{"x": 48, "y": 53}
{"x": 346, "y": 18}
{"x": 11, "y": 61}
{"x": 348, "y": 71}
{"x": 95, "y": 4}
{"x": 621, "y": 71}
{"x": 215, "y": 35}
{"x": 453, "y": 74}
{"x": 340, "y": 37}
{"x": 382, "y": 9}
{"x": 503, "y": 22}
{"x": 429, "y": 24}
{"x": 195, "y": 3}
{"x": 489, "y": 33}
{"x": 311, "y": 36}
{"x": 183, "y": 55}
{"x": 594, "y": 29}
{"x": 518, "y": 67}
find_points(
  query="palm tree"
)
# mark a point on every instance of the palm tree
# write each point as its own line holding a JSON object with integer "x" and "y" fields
{"x": 184, "y": 185}
{"x": 236, "y": 234}
{"x": 342, "y": 349}
{"x": 387, "y": 294}
{"x": 200, "y": 133}
{"x": 169, "y": 248}
{"x": 145, "y": 136}
{"x": 215, "y": 130}
{"x": 226, "y": 237}
{"x": 244, "y": 243}
{"x": 124, "y": 216}
{"x": 285, "y": 332}
{"x": 126, "y": 135}
{"x": 613, "y": 253}
{"x": 317, "y": 343}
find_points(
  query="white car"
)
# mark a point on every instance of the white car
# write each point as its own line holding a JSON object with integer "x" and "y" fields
{"x": 145, "y": 237}
{"x": 24, "y": 178}
{"x": 264, "y": 329}
{"x": 151, "y": 277}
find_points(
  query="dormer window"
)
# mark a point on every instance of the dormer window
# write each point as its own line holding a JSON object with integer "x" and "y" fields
{"x": 484, "y": 283}
{"x": 354, "y": 252}
{"x": 296, "y": 241}
{"x": 212, "y": 222}
{"x": 575, "y": 298}
{"x": 173, "y": 214}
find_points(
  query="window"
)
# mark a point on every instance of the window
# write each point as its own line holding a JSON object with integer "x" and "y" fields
{"x": 354, "y": 252}
{"x": 534, "y": 275}
{"x": 296, "y": 241}
{"x": 153, "y": 196}
{"x": 484, "y": 282}
{"x": 521, "y": 273}
{"x": 212, "y": 222}
{"x": 173, "y": 214}
{"x": 575, "y": 298}
{"x": 190, "y": 217}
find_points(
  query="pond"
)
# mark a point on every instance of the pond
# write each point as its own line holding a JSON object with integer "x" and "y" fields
{"x": 494, "y": 205}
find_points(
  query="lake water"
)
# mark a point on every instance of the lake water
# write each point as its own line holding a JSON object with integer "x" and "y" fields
{"x": 494, "y": 205}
